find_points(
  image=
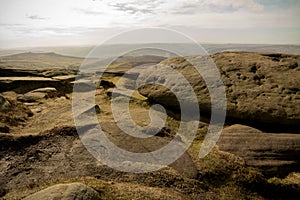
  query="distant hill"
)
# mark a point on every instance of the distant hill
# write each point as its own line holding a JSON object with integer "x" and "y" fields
{"x": 52, "y": 60}
{"x": 78, "y": 51}
{"x": 284, "y": 49}
{"x": 41, "y": 56}
{"x": 39, "y": 60}
{"x": 111, "y": 50}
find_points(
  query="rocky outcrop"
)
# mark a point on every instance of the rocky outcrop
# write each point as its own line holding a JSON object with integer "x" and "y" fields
{"x": 23, "y": 85}
{"x": 72, "y": 191}
{"x": 27, "y": 71}
{"x": 260, "y": 87}
{"x": 37, "y": 94}
{"x": 277, "y": 154}
{"x": 34, "y": 154}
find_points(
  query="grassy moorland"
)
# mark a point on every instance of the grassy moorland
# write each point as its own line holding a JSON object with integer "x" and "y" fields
{"x": 40, "y": 147}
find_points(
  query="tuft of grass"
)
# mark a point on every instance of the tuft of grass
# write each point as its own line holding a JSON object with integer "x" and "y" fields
{"x": 17, "y": 114}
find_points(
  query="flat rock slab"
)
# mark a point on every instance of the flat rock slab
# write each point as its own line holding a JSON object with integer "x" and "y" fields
{"x": 12, "y": 79}
{"x": 267, "y": 151}
{"x": 65, "y": 78}
{"x": 36, "y": 94}
{"x": 23, "y": 85}
{"x": 32, "y": 96}
{"x": 45, "y": 90}
{"x": 72, "y": 191}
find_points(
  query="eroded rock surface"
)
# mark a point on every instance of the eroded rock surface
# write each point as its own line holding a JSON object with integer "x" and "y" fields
{"x": 37, "y": 94}
{"x": 263, "y": 88}
{"x": 28, "y": 71}
{"x": 34, "y": 152}
{"x": 276, "y": 154}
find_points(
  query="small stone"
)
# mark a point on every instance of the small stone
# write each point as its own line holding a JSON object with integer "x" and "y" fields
{"x": 29, "y": 104}
{"x": 36, "y": 110}
{"x": 45, "y": 90}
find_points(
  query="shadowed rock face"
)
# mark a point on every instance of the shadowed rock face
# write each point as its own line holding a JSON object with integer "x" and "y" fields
{"x": 277, "y": 154}
{"x": 23, "y": 85}
{"x": 260, "y": 88}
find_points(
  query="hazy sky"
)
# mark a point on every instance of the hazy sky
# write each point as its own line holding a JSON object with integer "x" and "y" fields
{"x": 81, "y": 22}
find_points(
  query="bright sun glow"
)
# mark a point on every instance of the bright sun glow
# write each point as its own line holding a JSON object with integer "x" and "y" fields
{"x": 79, "y": 22}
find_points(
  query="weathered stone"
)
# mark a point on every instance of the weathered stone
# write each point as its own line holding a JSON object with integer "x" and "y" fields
{"x": 32, "y": 96}
{"x": 30, "y": 104}
{"x": 45, "y": 90}
{"x": 36, "y": 94}
{"x": 72, "y": 191}
{"x": 276, "y": 154}
{"x": 65, "y": 78}
{"x": 255, "y": 88}
{"x": 36, "y": 110}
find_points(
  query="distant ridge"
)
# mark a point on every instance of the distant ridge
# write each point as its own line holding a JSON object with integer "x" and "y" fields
{"x": 39, "y": 60}
{"x": 110, "y": 50}
{"x": 26, "y": 55}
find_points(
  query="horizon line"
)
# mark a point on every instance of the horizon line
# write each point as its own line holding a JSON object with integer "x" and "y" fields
{"x": 93, "y": 45}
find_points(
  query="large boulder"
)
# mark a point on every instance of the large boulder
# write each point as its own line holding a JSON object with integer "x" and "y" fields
{"x": 277, "y": 154}
{"x": 260, "y": 87}
{"x": 72, "y": 191}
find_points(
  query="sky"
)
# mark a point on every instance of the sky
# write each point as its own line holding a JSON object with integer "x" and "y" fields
{"x": 30, "y": 23}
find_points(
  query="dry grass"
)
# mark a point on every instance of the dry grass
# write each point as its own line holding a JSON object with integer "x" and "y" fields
{"x": 107, "y": 190}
